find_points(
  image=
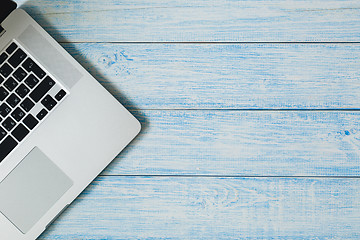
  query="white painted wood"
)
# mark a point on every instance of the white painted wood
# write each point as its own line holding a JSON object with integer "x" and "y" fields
{"x": 198, "y": 20}
{"x": 232, "y": 143}
{"x": 226, "y": 76}
{"x": 155, "y": 79}
{"x": 213, "y": 208}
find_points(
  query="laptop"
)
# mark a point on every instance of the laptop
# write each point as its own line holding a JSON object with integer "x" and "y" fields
{"x": 59, "y": 128}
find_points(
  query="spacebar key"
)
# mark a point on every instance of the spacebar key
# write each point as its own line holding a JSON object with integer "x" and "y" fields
{"x": 42, "y": 89}
{"x": 6, "y": 147}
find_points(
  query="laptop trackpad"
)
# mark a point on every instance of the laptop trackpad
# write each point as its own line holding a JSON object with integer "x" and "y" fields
{"x": 31, "y": 189}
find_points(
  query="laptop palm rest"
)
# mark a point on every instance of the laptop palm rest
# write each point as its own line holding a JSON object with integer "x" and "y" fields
{"x": 31, "y": 189}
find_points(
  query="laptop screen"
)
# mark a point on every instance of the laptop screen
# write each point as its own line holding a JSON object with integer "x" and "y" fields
{"x": 6, "y": 7}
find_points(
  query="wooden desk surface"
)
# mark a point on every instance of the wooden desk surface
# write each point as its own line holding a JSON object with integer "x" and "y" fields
{"x": 250, "y": 113}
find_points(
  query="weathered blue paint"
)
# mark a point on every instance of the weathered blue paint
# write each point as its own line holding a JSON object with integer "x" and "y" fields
{"x": 213, "y": 208}
{"x": 230, "y": 76}
{"x": 198, "y": 20}
{"x": 251, "y": 143}
{"x": 205, "y": 111}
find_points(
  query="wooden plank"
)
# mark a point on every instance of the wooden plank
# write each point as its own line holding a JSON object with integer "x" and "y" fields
{"x": 226, "y": 76}
{"x": 246, "y": 143}
{"x": 198, "y": 20}
{"x": 213, "y": 208}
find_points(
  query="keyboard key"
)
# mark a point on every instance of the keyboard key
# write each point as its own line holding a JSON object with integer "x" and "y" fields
{"x": 3, "y": 93}
{"x": 2, "y": 133}
{"x": 42, "y": 89}
{"x": 41, "y": 114}
{"x": 7, "y": 146}
{"x": 31, "y": 66}
{"x": 23, "y": 84}
{"x": 4, "y": 110}
{"x": 48, "y": 102}
{"x": 9, "y": 124}
{"x": 3, "y": 57}
{"x": 6, "y": 70}
{"x": 22, "y": 90}
{"x": 18, "y": 114}
{"x": 30, "y": 121}
{"x": 31, "y": 81}
{"x": 20, "y": 132}
{"x": 17, "y": 58}
{"x": 11, "y": 48}
{"x": 19, "y": 74}
{"x": 60, "y": 95}
{"x": 13, "y": 100}
{"x": 10, "y": 84}
{"x": 27, "y": 104}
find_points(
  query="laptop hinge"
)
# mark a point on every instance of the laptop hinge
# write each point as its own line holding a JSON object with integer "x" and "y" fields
{"x": 6, "y": 7}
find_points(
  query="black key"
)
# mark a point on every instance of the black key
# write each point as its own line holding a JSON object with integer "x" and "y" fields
{"x": 48, "y": 102}
{"x": 42, "y": 89}
{"x": 9, "y": 124}
{"x": 1, "y": 79}
{"x": 11, "y": 48}
{"x": 30, "y": 121}
{"x": 19, "y": 74}
{"x": 20, "y": 132}
{"x": 3, "y": 93}
{"x": 4, "y": 110}
{"x": 17, "y": 58}
{"x": 60, "y": 95}
{"x": 31, "y": 66}
{"x": 31, "y": 81}
{"x": 3, "y": 57}
{"x": 6, "y": 147}
{"x": 22, "y": 90}
{"x": 2, "y": 133}
{"x": 10, "y": 84}
{"x": 6, "y": 70}
{"x": 27, "y": 104}
{"x": 18, "y": 114}
{"x": 41, "y": 114}
{"x": 13, "y": 100}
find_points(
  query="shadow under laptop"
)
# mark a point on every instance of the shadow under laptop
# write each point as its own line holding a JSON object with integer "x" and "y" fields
{"x": 78, "y": 51}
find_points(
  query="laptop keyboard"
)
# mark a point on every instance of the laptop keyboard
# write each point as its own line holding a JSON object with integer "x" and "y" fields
{"x": 27, "y": 95}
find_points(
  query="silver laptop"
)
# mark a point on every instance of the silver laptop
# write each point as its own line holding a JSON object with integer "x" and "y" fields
{"x": 59, "y": 128}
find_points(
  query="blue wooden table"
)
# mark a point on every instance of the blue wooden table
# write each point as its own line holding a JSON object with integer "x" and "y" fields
{"x": 250, "y": 114}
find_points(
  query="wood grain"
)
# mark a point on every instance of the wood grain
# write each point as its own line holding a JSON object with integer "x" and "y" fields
{"x": 226, "y": 76}
{"x": 232, "y": 143}
{"x": 198, "y": 20}
{"x": 213, "y": 208}
{"x": 224, "y": 89}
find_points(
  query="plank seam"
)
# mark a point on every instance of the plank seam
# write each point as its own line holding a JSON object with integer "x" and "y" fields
{"x": 225, "y": 43}
{"x": 250, "y": 110}
{"x": 225, "y": 176}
